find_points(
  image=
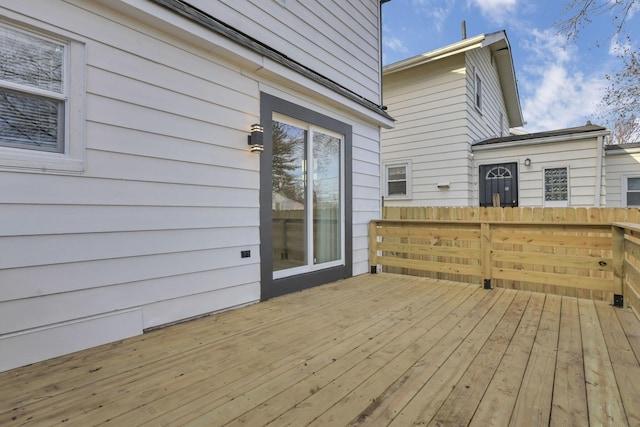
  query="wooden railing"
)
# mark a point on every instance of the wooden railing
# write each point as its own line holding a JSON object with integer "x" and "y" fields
{"x": 587, "y": 260}
{"x": 626, "y": 241}
{"x": 520, "y": 214}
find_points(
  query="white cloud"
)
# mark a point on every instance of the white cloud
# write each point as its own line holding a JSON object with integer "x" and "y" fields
{"x": 496, "y": 11}
{"x": 618, "y": 49}
{"x": 556, "y": 94}
{"x": 436, "y": 10}
{"x": 395, "y": 44}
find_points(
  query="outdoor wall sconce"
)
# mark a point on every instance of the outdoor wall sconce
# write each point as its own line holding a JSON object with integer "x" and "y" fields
{"x": 255, "y": 139}
{"x": 527, "y": 162}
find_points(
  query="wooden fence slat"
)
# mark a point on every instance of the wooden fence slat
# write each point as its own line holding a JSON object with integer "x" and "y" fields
{"x": 546, "y": 278}
{"x": 448, "y": 251}
{"x": 589, "y": 262}
{"x": 440, "y": 267}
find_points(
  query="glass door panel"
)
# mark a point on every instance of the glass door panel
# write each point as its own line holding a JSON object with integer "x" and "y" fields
{"x": 307, "y": 199}
{"x": 288, "y": 196}
{"x": 326, "y": 198}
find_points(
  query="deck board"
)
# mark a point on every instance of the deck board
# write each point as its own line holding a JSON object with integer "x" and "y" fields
{"x": 372, "y": 350}
{"x": 567, "y": 410}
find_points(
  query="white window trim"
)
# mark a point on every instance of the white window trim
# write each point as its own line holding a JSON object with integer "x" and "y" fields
{"x": 72, "y": 159}
{"x": 310, "y": 266}
{"x": 556, "y": 203}
{"x": 407, "y": 165}
{"x": 625, "y": 189}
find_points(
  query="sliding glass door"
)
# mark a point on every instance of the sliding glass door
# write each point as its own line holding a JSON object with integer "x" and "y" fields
{"x": 307, "y": 197}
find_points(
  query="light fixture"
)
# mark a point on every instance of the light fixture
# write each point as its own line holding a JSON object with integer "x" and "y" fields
{"x": 527, "y": 162}
{"x": 255, "y": 139}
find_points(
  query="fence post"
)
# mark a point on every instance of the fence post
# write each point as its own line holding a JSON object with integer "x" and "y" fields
{"x": 485, "y": 253}
{"x": 617, "y": 235}
{"x": 373, "y": 246}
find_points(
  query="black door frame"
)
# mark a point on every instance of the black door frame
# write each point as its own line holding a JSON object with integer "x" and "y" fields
{"x": 269, "y": 287}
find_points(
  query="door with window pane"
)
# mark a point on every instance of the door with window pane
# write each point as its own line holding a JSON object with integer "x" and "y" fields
{"x": 499, "y": 185}
{"x": 307, "y": 198}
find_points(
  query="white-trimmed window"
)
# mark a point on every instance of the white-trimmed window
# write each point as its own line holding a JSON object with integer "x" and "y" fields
{"x": 631, "y": 190}
{"x": 556, "y": 187}
{"x": 477, "y": 89}
{"x": 397, "y": 180}
{"x": 41, "y": 101}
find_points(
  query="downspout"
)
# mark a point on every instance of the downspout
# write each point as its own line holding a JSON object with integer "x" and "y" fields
{"x": 599, "y": 161}
{"x": 382, "y": 106}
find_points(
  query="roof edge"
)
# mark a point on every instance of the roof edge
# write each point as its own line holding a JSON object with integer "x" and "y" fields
{"x": 443, "y": 52}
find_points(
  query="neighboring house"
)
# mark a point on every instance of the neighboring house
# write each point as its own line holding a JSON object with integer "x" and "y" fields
{"x": 452, "y": 144}
{"x": 129, "y": 196}
{"x": 623, "y": 174}
{"x": 558, "y": 168}
{"x": 444, "y": 101}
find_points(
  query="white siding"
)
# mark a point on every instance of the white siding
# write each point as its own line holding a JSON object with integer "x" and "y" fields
{"x": 437, "y": 121}
{"x": 618, "y": 164}
{"x": 342, "y": 44}
{"x": 429, "y": 105}
{"x": 151, "y": 231}
{"x": 578, "y": 156}
{"x": 490, "y": 121}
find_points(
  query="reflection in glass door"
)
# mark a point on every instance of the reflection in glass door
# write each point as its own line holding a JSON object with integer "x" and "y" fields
{"x": 307, "y": 198}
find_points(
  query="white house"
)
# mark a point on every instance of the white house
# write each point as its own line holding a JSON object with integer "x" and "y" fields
{"x": 129, "y": 196}
{"x": 623, "y": 175}
{"x": 557, "y": 168}
{"x": 444, "y": 101}
{"x": 453, "y": 144}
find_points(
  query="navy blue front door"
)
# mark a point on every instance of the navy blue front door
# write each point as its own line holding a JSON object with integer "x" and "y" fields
{"x": 499, "y": 185}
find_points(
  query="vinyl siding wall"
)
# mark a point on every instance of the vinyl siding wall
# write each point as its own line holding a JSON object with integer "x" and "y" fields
{"x": 620, "y": 163}
{"x": 342, "y": 43}
{"x": 491, "y": 120}
{"x": 486, "y": 122}
{"x": 429, "y": 105}
{"x": 151, "y": 232}
{"x": 437, "y": 121}
{"x": 579, "y": 156}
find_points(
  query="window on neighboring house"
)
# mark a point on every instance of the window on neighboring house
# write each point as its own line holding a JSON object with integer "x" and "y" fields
{"x": 398, "y": 180}
{"x": 38, "y": 126}
{"x": 556, "y": 187}
{"x": 477, "y": 90}
{"x": 632, "y": 190}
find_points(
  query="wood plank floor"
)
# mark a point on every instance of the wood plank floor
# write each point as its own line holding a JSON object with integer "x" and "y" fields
{"x": 372, "y": 350}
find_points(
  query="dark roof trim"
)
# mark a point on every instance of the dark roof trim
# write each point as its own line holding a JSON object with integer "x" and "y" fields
{"x": 183, "y": 8}
{"x": 537, "y": 135}
{"x": 625, "y": 146}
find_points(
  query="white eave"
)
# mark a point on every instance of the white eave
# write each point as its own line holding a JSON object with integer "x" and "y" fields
{"x": 434, "y": 55}
{"x": 501, "y": 50}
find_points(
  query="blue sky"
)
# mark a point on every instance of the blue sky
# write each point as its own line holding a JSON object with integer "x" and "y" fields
{"x": 560, "y": 82}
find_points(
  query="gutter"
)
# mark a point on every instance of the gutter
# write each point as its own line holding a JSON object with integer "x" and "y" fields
{"x": 434, "y": 55}
{"x": 184, "y": 9}
{"x": 545, "y": 140}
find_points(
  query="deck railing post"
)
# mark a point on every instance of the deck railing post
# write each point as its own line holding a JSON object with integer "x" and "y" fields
{"x": 485, "y": 254}
{"x": 617, "y": 235}
{"x": 373, "y": 246}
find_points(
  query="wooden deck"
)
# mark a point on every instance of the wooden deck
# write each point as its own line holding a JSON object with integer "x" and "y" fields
{"x": 372, "y": 350}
